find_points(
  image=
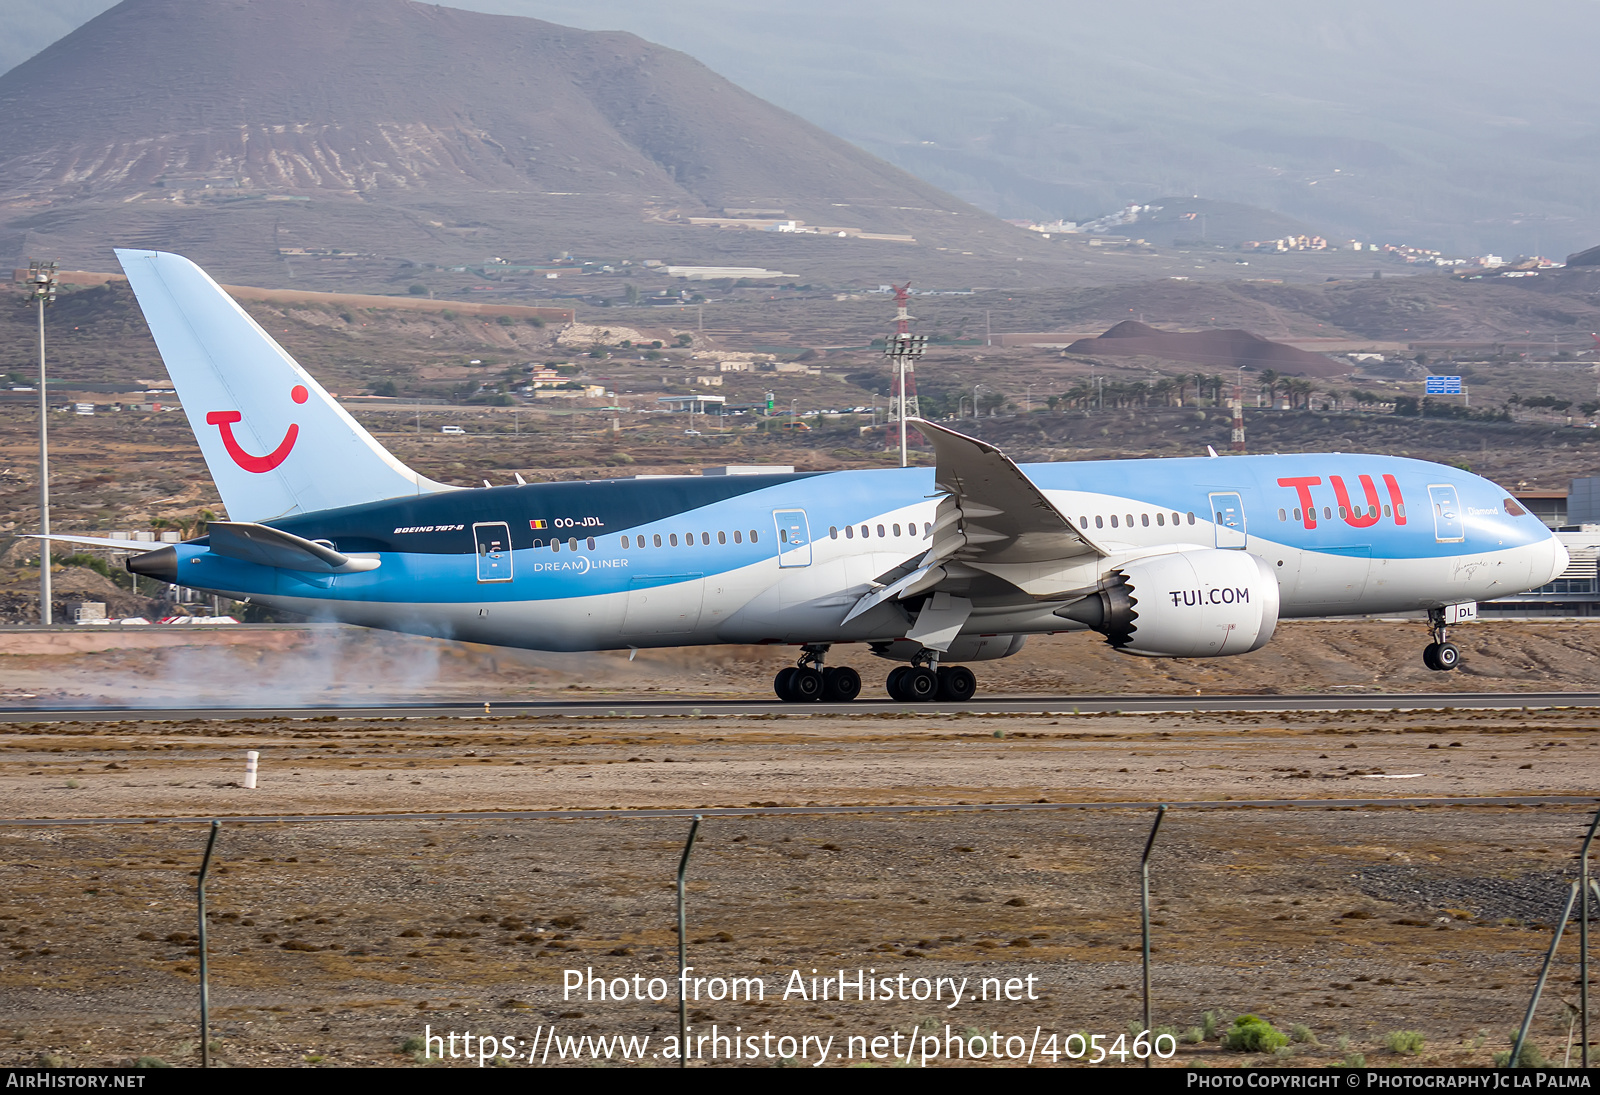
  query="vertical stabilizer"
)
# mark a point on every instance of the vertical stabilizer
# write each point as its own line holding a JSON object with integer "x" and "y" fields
{"x": 275, "y": 441}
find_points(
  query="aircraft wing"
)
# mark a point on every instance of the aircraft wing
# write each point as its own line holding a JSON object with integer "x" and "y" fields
{"x": 992, "y": 520}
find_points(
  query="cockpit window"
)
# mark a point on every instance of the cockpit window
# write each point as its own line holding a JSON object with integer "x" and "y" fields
{"x": 1513, "y": 509}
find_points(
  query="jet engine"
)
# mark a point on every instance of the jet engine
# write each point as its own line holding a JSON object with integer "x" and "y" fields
{"x": 1189, "y": 604}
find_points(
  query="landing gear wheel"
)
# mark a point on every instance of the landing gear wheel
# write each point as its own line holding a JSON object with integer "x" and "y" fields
{"x": 780, "y": 683}
{"x": 957, "y": 683}
{"x": 806, "y": 685}
{"x": 1446, "y": 657}
{"x": 840, "y": 684}
{"x": 1430, "y": 656}
{"x": 896, "y": 675}
{"x": 919, "y": 684}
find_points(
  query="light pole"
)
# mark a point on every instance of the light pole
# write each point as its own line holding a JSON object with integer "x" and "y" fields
{"x": 902, "y": 349}
{"x": 975, "y": 388}
{"x": 42, "y": 290}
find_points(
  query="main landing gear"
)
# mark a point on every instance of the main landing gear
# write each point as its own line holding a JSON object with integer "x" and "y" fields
{"x": 809, "y": 680}
{"x": 921, "y": 681}
{"x": 1440, "y": 655}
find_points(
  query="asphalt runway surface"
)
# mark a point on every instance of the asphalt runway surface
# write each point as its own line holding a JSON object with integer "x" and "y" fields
{"x": 1001, "y": 705}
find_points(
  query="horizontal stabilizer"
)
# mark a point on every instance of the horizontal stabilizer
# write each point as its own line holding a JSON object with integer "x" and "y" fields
{"x": 270, "y": 547}
{"x": 95, "y": 541}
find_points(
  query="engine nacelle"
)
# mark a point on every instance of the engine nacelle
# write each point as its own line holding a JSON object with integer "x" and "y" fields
{"x": 1203, "y": 603}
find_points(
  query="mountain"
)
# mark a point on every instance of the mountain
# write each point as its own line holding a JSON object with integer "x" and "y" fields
{"x": 235, "y": 129}
{"x": 1217, "y": 349}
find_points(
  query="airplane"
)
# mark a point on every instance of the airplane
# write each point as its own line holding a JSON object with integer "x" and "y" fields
{"x": 927, "y": 567}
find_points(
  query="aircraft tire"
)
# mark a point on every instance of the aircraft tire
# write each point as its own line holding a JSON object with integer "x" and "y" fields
{"x": 920, "y": 684}
{"x": 1446, "y": 657}
{"x": 893, "y": 683}
{"x": 780, "y": 683}
{"x": 805, "y": 686}
{"x": 840, "y": 684}
{"x": 957, "y": 683}
{"x": 1430, "y": 657}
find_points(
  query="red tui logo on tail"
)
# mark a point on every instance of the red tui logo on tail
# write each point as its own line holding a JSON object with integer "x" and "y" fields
{"x": 224, "y": 421}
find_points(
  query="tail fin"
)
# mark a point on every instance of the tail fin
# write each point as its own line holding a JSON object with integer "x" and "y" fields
{"x": 275, "y": 441}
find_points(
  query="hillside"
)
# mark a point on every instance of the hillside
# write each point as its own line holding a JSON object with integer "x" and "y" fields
{"x": 359, "y": 129}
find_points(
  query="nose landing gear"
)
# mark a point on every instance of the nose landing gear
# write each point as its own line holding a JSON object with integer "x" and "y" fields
{"x": 1441, "y": 655}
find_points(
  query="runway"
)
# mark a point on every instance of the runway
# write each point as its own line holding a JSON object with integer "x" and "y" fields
{"x": 634, "y": 707}
{"x": 781, "y": 811}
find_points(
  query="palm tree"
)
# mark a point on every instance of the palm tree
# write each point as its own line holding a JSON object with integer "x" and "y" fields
{"x": 1269, "y": 380}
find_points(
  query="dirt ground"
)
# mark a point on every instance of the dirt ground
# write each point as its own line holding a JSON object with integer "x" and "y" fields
{"x": 348, "y": 943}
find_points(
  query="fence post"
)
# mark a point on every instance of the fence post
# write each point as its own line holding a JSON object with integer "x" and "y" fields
{"x": 205, "y": 980}
{"x": 683, "y": 949}
{"x": 1144, "y": 915}
{"x": 1538, "y": 986}
{"x": 1583, "y": 937}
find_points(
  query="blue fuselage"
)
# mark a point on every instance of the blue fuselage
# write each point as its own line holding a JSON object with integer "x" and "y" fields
{"x": 670, "y": 561}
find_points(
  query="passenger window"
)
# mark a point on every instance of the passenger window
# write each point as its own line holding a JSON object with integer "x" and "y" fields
{"x": 783, "y": 536}
{"x": 833, "y": 532}
{"x": 738, "y": 537}
{"x": 624, "y": 543}
{"x": 1144, "y": 519}
{"x": 1282, "y": 516}
{"x": 1341, "y": 513}
{"x": 1327, "y": 513}
{"x": 849, "y": 532}
{"x": 657, "y": 539}
{"x": 1083, "y": 522}
{"x": 865, "y": 531}
{"x": 880, "y": 531}
{"x": 705, "y": 539}
{"x": 555, "y": 545}
{"x": 1099, "y": 522}
{"x": 1161, "y": 518}
{"x": 753, "y": 537}
{"x": 1130, "y": 520}
{"x": 1191, "y": 517}
{"x": 897, "y": 530}
{"x": 927, "y": 528}
{"x": 1386, "y": 511}
{"x": 673, "y": 539}
{"x": 591, "y": 543}
{"x": 538, "y": 543}
{"x": 1400, "y": 512}
{"x": 1297, "y": 513}
{"x": 722, "y": 537}
{"x": 1174, "y": 518}
{"x": 1113, "y": 520}
{"x": 572, "y": 543}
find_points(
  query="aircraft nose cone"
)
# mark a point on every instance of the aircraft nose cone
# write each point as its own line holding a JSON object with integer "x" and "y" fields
{"x": 1559, "y": 558}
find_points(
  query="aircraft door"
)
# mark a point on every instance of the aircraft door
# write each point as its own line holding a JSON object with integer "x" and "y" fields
{"x": 1447, "y": 526}
{"x": 794, "y": 537}
{"x": 1227, "y": 509}
{"x": 493, "y": 539}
